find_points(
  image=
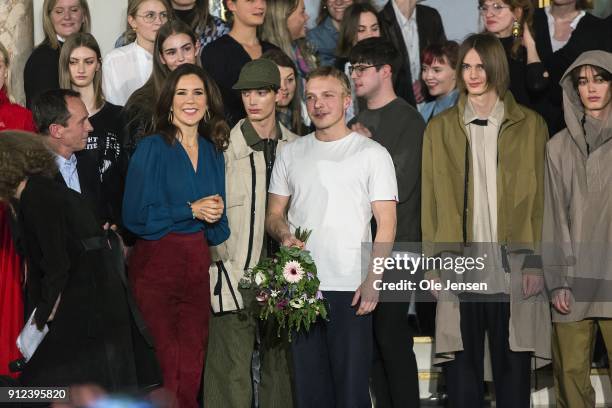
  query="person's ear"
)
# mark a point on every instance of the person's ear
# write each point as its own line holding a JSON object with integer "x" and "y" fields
{"x": 231, "y": 5}
{"x": 55, "y": 131}
{"x": 518, "y": 14}
{"x": 132, "y": 22}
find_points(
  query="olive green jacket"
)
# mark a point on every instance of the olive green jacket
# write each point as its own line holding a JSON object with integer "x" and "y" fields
{"x": 446, "y": 216}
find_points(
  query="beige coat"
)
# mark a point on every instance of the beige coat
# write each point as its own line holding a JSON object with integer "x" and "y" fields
{"x": 577, "y": 235}
{"x": 520, "y": 195}
{"x": 246, "y": 211}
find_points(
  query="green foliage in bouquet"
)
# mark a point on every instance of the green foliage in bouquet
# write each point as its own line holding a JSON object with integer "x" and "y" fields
{"x": 287, "y": 288}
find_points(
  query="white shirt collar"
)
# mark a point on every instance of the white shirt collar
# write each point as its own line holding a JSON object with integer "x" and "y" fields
{"x": 551, "y": 18}
{"x": 401, "y": 19}
{"x": 63, "y": 162}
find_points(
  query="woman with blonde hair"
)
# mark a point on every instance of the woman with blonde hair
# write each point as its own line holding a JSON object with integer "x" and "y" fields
{"x": 285, "y": 27}
{"x": 127, "y": 68}
{"x": 61, "y": 18}
{"x": 81, "y": 70}
{"x": 12, "y": 116}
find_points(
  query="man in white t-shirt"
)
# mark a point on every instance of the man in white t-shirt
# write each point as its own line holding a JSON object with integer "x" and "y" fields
{"x": 332, "y": 182}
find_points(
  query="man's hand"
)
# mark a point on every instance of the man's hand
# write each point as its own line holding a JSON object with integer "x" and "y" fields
{"x": 368, "y": 296}
{"x": 361, "y": 129}
{"x": 289, "y": 240}
{"x": 532, "y": 285}
{"x": 434, "y": 283}
{"x": 562, "y": 298}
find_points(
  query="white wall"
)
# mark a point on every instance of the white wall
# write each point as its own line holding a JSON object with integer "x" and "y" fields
{"x": 460, "y": 17}
{"x": 109, "y": 18}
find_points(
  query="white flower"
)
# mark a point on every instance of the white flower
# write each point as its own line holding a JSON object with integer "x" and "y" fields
{"x": 274, "y": 293}
{"x": 260, "y": 278}
{"x": 293, "y": 272}
{"x": 296, "y": 303}
{"x": 312, "y": 300}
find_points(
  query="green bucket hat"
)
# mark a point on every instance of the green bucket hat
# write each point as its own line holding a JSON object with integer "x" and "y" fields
{"x": 258, "y": 74}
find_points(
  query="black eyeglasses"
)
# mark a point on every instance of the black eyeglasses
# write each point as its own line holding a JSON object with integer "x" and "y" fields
{"x": 359, "y": 69}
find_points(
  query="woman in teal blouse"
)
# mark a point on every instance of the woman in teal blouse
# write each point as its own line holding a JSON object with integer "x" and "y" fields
{"x": 174, "y": 202}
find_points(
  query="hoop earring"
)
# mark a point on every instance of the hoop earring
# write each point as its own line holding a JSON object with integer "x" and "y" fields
{"x": 170, "y": 116}
{"x": 516, "y": 29}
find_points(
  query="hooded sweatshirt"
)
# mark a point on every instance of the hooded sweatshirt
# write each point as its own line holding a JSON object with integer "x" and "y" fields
{"x": 577, "y": 227}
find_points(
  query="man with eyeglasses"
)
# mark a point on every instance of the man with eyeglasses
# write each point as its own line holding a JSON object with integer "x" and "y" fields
{"x": 411, "y": 27}
{"x": 392, "y": 122}
{"x": 332, "y": 182}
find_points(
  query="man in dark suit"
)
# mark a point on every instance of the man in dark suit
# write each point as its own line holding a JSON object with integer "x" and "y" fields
{"x": 411, "y": 28}
{"x": 62, "y": 118}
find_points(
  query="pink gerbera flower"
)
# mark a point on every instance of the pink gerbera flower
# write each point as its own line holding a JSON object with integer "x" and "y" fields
{"x": 293, "y": 272}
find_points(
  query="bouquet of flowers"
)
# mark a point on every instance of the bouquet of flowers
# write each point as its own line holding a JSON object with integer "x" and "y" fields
{"x": 287, "y": 288}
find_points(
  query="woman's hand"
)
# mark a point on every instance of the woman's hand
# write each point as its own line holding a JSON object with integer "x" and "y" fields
{"x": 208, "y": 209}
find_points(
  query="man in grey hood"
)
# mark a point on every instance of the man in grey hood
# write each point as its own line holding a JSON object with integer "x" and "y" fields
{"x": 577, "y": 231}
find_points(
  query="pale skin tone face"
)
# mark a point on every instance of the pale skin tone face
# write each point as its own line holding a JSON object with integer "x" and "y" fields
{"x": 67, "y": 17}
{"x": 259, "y": 104}
{"x": 499, "y": 20}
{"x": 296, "y": 22}
{"x": 190, "y": 103}
{"x": 72, "y": 137}
{"x": 178, "y": 49}
{"x": 326, "y": 101}
{"x": 189, "y": 106}
{"x": 368, "y": 27}
{"x": 439, "y": 77}
{"x": 146, "y": 31}
{"x": 3, "y": 71}
{"x": 288, "y": 86}
{"x": 336, "y": 9}
{"x": 595, "y": 93}
{"x": 367, "y": 80}
{"x": 83, "y": 65}
{"x": 474, "y": 74}
{"x": 250, "y": 13}
{"x": 183, "y": 4}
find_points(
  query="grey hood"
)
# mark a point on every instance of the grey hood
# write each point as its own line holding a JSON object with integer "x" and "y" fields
{"x": 572, "y": 106}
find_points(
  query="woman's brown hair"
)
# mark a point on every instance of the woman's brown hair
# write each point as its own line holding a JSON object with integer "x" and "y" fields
{"x": 282, "y": 60}
{"x": 73, "y": 42}
{"x": 350, "y": 25}
{"x": 22, "y": 155}
{"x": 213, "y": 126}
{"x": 493, "y": 57}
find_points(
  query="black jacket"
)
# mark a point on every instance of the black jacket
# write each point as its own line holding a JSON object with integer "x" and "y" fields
{"x": 591, "y": 33}
{"x": 41, "y": 71}
{"x": 431, "y": 31}
{"x": 223, "y": 59}
{"x": 93, "y": 338}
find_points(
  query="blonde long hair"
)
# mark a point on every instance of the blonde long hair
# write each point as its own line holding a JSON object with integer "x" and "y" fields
{"x": 72, "y": 43}
{"x": 7, "y": 61}
{"x": 275, "y": 30}
{"x": 129, "y": 35}
{"x": 50, "y": 34}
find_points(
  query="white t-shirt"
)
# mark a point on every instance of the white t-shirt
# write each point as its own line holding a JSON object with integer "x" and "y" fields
{"x": 332, "y": 185}
{"x": 124, "y": 70}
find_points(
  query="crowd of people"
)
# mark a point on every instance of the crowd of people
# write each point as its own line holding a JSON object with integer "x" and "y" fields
{"x": 136, "y": 188}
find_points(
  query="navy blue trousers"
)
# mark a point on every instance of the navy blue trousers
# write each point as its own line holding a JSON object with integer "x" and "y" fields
{"x": 332, "y": 362}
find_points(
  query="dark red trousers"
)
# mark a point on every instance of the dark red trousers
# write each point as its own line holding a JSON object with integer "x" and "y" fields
{"x": 170, "y": 281}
